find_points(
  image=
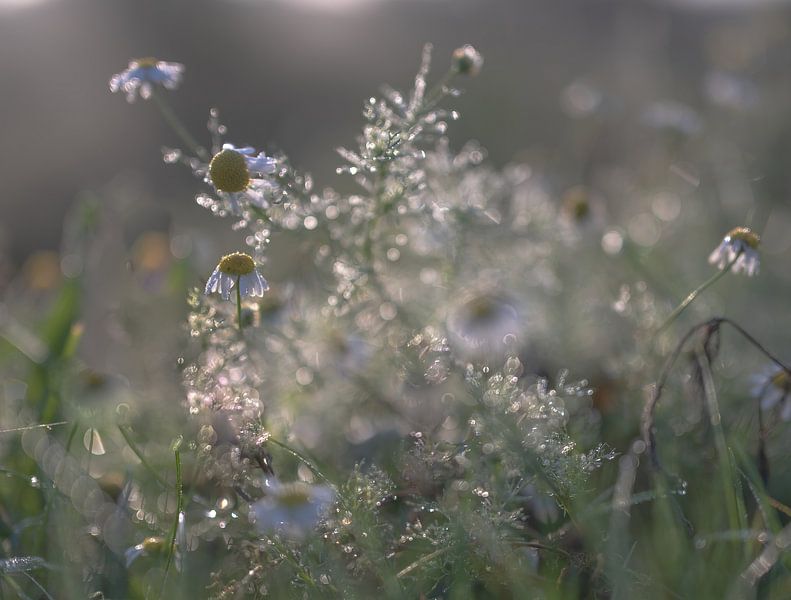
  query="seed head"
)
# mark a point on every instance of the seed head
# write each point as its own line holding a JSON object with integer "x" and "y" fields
{"x": 228, "y": 171}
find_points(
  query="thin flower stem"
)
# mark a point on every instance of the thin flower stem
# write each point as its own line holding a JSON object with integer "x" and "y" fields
{"x": 142, "y": 458}
{"x": 179, "y": 514}
{"x": 239, "y": 302}
{"x": 695, "y": 293}
{"x": 177, "y": 126}
{"x": 729, "y": 487}
{"x": 302, "y": 459}
{"x": 37, "y": 426}
{"x": 38, "y": 585}
{"x": 649, "y": 409}
{"x": 422, "y": 561}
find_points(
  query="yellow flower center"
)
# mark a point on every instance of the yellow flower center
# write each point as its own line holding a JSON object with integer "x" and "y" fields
{"x": 228, "y": 171}
{"x": 745, "y": 235}
{"x": 237, "y": 264}
{"x": 293, "y": 495}
{"x": 153, "y": 544}
{"x": 146, "y": 62}
{"x": 575, "y": 203}
{"x": 481, "y": 308}
{"x": 782, "y": 381}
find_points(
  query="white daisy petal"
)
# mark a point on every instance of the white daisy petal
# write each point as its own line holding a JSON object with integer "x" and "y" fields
{"x": 236, "y": 269}
{"x": 143, "y": 74}
{"x": 226, "y": 285}
{"x": 771, "y": 397}
{"x": 211, "y": 284}
{"x": 245, "y": 285}
{"x": 739, "y": 249}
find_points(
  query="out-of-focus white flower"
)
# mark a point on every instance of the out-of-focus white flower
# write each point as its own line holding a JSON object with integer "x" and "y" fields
{"x": 293, "y": 508}
{"x": 467, "y": 60}
{"x": 238, "y": 174}
{"x": 479, "y": 326}
{"x": 143, "y": 74}
{"x": 731, "y": 91}
{"x": 236, "y": 269}
{"x": 581, "y": 99}
{"x": 149, "y": 546}
{"x": 668, "y": 114}
{"x": 741, "y": 245}
{"x": 772, "y": 387}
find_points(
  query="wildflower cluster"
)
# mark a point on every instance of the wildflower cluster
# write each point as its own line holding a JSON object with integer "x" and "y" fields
{"x": 312, "y": 363}
{"x": 375, "y": 383}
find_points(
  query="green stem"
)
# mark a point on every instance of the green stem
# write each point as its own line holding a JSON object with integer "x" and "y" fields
{"x": 723, "y": 453}
{"x": 239, "y": 302}
{"x": 179, "y": 514}
{"x": 142, "y": 458}
{"x": 177, "y": 126}
{"x": 695, "y": 293}
{"x": 302, "y": 459}
{"x": 422, "y": 561}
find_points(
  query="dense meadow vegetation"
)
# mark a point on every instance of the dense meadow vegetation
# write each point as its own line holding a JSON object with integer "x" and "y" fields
{"x": 451, "y": 381}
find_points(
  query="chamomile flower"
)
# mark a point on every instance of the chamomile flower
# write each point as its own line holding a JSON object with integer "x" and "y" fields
{"x": 479, "y": 326}
{"x": 740, "y": 244}
{"x": 467, "y": 60}
{"x": 149, "y": 546}
{"x": 294, "y": 508}
{"x": 238, "y": 176}
{"x": 772, "y": 387}
{"x": 143, "y": 74}
{"x": 236, "y": 269}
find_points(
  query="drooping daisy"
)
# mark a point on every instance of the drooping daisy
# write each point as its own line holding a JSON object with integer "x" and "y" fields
{"x": 467, "y": 60}
{"x": 772, "y": 387}
{"x": 293, "y": 508}
{"x": 740, "y": 244}
{"x": 238, "y": 175}
{"x": 236, "y": 269}
{"x": 143, "y": 74}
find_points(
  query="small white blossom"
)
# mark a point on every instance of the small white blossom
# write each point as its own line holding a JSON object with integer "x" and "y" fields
{"x": 772, "y": 387}
{"x": 740, "y": 245}
{"x": 291, "y": 507}
{"x": 467, "y": 60}
{"x": 238, "y": 175}
{"x": 478, "y": 327}
{"x": 143, "y": 74}
{"x": 671, "y": 115}
{"x": 237, "y": 268}
{"x": 149, "y": 546}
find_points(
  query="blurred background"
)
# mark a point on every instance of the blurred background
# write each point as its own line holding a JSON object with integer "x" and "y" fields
{"x": 669, "y": 118}
{"x": 580, "y": 83}
{"x": 652, "y": 127}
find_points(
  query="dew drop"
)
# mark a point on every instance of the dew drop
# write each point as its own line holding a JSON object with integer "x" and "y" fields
{"x": 93, "y": 442}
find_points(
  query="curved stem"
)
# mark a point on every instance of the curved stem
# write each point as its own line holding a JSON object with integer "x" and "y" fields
{"x": 649, "y": 409}
{"x": 179, "y": 522}
{"x": 302, "y": 458}
{"x": 695, "y": 293}
{"x": 177, "y": 126}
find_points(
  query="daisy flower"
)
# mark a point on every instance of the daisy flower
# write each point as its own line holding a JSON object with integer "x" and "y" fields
{"x": 479, "y": 326}
{"x": 143, "y": 74}
{"x": 237, "y": 269}
{"x": 740, "y": 245}
{"x": 292, "y": 507}
{"x": 772, "y": 387}
{"x": 467, "y": 60}
{"x": 237, "y": 175}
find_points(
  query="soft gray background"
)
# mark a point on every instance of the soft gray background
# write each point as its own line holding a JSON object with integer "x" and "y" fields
{"x": 293, "y": 75}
